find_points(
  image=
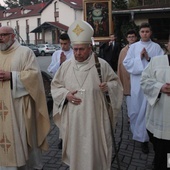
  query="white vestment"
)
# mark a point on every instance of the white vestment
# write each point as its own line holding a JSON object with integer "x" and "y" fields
{"x": 156, "y": 74}
{"x": 23, "y": 109}
{"x": 135, "y": 65}
{"x": 55, "y": 61}
{"x": 85, "y": 128}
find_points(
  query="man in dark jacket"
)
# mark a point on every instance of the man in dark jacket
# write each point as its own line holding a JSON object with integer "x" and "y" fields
{"x": 109, "y": 51}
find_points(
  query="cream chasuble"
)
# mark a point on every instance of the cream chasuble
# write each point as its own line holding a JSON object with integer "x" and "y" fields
{"x": 24, "y": 121}
{"x": 6, "y": 132}
{"x": 85, "y": 128}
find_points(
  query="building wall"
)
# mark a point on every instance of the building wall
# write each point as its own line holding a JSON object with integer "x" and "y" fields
{"x": 48, "y": 14}
{"x": 48, "y": 36}
{"x": 67, "y": 16}
{"x": 139, "y": 21}
{"x": 32, "y": 21}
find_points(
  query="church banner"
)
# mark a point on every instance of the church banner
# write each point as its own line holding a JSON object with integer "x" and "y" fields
{"x": 99, "y": 15}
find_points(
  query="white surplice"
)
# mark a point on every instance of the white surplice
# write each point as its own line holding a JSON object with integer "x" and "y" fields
{"x": 55, "y": 60}
{"x": 135, "y": 65}
{"x": 153, "y": 78}
{"x": 25, "y": 122}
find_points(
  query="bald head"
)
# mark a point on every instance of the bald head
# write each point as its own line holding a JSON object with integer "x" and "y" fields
{"x": 7, "y": 37}
{"x": 7, "y": 29}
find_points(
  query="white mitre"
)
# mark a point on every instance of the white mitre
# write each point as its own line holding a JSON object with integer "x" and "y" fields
{"x": 80, "y": 32}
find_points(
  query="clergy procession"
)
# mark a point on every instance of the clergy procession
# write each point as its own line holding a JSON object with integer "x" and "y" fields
{"x": 89, "y": 98}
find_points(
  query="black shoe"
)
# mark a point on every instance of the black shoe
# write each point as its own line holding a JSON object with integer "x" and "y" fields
{"x": 145, "y": 148}
{"x": 60, "y": 144}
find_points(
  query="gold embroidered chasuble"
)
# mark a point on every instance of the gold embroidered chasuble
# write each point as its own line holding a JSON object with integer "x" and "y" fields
{"x": 6, "y": 135}
{"x": 22, "y": 117}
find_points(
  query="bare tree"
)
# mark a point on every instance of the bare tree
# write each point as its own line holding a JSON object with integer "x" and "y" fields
{"x": 16, "y": 3}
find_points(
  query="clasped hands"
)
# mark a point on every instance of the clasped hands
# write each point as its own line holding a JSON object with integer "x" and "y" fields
{"x": 76, "y": 101}
{"x": 144, "y": 54}
{"x": 62, "y": 57}
{"x": 5, "y": 75}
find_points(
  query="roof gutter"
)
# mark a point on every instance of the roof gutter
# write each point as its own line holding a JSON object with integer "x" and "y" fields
{"x": 142, "y": 10}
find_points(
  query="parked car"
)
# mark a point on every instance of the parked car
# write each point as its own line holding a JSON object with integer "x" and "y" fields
{"x": 34, "y": 48}
{"x": 45, "y": 49}
{"x": 57, "y": 46}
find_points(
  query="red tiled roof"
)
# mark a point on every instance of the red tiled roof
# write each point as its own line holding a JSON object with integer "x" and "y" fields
{"x": 16, "y": 12}
{"x": 59, "y": 25}
{"x": 76, "y": 4}
{"x": 35, "y": 9}
{"x": 47, "y": 25}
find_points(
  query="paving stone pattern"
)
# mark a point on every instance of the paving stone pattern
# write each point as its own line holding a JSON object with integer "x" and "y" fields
{"x": 130, "y": 156}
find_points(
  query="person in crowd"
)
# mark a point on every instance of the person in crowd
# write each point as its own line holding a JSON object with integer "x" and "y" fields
{"x": 24, "y": 122}
{"x": 80, "y": 108}
{"x": 110, "y": 50}
{"x": 155, "y": 82}
{"x": 58, "y": 58}
{"x": 131, "y": 37}
{"x": 62, "y": 55}
{"x": 137, "y": 58}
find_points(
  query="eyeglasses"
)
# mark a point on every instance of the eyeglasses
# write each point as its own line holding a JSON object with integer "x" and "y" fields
{"x": 131, "y": 36}
{"x": 5, "y": 34}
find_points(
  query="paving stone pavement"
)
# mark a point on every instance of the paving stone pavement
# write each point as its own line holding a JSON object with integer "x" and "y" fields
{"x": 130, "y": 155}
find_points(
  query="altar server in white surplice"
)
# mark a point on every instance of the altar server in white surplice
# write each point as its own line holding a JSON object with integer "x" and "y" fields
{"x": 155, "y": 83}
{"x": 137, "y": 58}
{"x": 59, "y": 56}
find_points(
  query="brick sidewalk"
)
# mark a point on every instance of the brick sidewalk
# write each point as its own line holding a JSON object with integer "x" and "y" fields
{"x": 129, "y": 151}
